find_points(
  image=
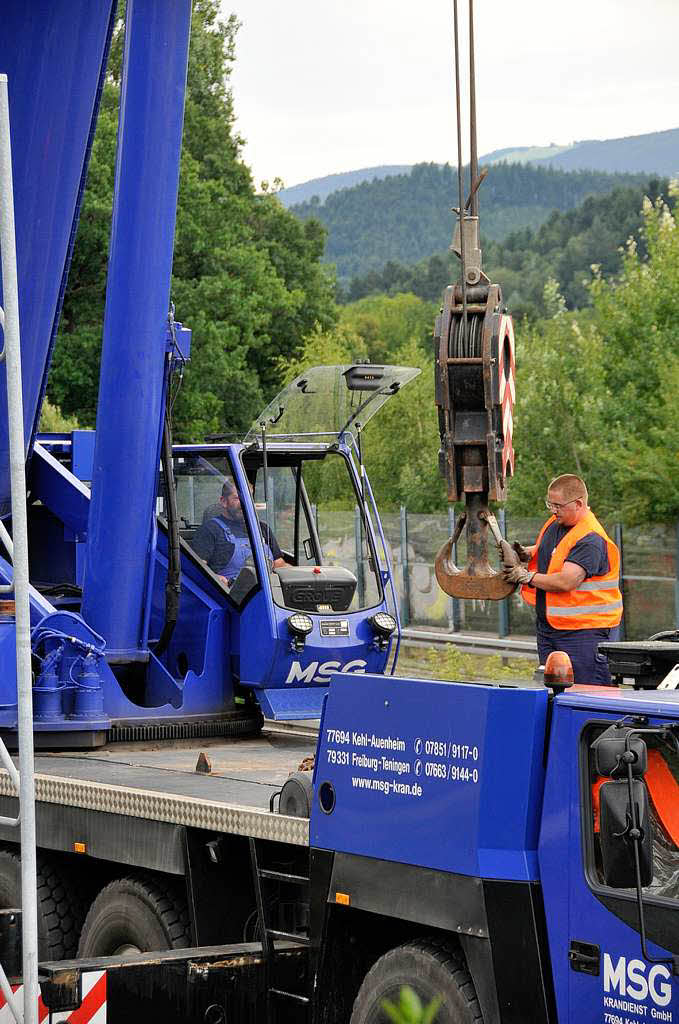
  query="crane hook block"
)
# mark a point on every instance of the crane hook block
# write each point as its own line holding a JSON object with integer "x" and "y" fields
{"x": 475, "y": 393}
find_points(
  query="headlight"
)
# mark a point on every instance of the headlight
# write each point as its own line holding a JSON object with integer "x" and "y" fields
{"x": 384, "y": 625}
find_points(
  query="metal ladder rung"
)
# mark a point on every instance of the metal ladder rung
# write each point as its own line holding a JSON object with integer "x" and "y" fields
{"x": 290, "y": 995}
{"x": 282, "y": 876}
{"x": 269, "y": 935}
{"x": 303, "y": 940}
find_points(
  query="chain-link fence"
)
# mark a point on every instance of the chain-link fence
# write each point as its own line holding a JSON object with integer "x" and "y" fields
{"x": 649, "y": 573}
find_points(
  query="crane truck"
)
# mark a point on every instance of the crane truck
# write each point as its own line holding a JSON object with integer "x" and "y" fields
{"x": 510, "y": 849}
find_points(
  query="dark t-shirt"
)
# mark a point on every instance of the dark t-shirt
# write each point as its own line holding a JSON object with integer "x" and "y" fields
{"x": 210, "y": 542}
{"x": 590, "y": 553}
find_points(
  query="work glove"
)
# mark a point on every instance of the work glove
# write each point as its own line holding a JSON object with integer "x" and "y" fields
{"x": 521, "y": 551}
{"x": 510, "y": 558}
{"x": 517, "y": 574}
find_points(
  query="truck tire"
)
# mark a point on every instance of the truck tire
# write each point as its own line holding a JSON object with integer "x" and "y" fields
{"x": 60, "y": 909}
{"x": 138, "y": 913}
{"x": 430, "y": 967}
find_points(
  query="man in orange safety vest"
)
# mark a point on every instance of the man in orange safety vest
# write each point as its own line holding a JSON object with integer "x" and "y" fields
{"x": 571, "y": 577}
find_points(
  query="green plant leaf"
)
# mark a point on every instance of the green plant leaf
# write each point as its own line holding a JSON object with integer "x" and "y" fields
{"x": 430, "y": 1011}
{"x": 411, "y": 1004}
{"x": 393, "y": 1012}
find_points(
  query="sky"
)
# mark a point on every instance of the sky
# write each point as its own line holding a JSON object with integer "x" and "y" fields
{"x": 322, "y": 86}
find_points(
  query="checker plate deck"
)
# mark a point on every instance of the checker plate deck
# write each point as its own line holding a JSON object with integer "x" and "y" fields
{"x": 158, "y": 781}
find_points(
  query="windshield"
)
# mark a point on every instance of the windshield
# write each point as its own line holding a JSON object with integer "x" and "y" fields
{"x": 316, "y": 520}
{"x": 330, "y": 400}
{"x": 313, "y": 519}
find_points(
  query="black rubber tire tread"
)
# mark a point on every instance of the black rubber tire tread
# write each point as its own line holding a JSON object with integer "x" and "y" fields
{"x": 145, "y": 910}
{"x": 446, "y": 974}
{"x": 60, "y": 908}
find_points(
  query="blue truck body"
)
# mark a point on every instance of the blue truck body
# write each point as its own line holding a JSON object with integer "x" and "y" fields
{"x": 486, "y": 792}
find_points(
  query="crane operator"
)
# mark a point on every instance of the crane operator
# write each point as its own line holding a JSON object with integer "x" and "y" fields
{"x": 571, "y": 577}
{"x": 222, "y": 540}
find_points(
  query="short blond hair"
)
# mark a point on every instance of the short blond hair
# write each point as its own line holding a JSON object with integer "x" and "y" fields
{"x": 571, "y": 487}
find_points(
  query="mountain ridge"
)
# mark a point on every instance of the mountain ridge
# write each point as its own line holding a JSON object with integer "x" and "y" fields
{"x": 648, "y": 153}
{"x": 329, "y": 183}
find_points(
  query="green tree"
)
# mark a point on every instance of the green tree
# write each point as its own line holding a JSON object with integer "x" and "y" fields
{"x": 638, "y": 318}
{"x": 564, "y": 247}
{"x": 247, "y": 276}
{"x": 400, "y": 443}
{"x": 386, "y": 324}
{"x": 406, "y": 218}
{"x": 595, "y": 390}
{"x": 562, "y": 401}
{"x": 52, "y": 421}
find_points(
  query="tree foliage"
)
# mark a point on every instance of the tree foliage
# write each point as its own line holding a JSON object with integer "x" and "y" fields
{"x": 596, "y": 392}
{"x": 595, "y": 387}
{"x": 406, "y": 218}
{"x": 247, "y": 276}
{"x": 563, "y": 248}
{"x": 401, "y": 442}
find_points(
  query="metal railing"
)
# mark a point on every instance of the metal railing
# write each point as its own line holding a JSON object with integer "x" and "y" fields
{"x": 17, "y": 548}
{"x": 649, "y": 564}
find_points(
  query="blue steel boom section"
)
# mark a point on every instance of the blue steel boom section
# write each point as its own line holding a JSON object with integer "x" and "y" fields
{"x": 109, "y": 654}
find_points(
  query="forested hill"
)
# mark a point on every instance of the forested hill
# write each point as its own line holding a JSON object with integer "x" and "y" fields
{"x": 565, "y": 248}
{"x": 407, "y": 217}
{"x": 322, "y": 187}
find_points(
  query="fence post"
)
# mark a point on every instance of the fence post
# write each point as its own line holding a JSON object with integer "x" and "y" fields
{"x": 405, "y": 596}
{"x": 453, "y": 604}
{"x": 503, "y": 605}
{"x": 617, "y": 537}
{"x": 359, "y": 555}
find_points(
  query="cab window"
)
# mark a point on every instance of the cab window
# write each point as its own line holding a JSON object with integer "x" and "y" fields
{"x": 315, "y": 517}
{"x": 662, "y": 783}
{"x": 211, "y": 521}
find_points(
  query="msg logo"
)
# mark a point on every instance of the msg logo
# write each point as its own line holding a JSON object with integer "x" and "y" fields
{"x": 633, "y": 979}
{"x": 320, "y": 673}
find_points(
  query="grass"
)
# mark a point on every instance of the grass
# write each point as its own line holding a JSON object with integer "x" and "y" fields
{"x": 449, "y": 662}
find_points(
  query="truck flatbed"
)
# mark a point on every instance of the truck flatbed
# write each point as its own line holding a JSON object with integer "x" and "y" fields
{"x": 158, "y": 782}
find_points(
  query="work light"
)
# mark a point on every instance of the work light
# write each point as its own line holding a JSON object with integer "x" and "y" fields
{"x": 300, "y": 626}
{"x": 384, "y": 625}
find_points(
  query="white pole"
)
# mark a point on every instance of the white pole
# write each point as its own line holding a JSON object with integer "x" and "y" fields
{"x": 17, "y": 462}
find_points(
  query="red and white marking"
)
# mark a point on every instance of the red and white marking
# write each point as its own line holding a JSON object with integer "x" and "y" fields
{"x": 92, "y": 1010}
{"x": 507, "y": 390}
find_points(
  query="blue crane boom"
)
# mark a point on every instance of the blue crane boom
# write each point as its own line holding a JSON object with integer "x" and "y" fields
{"x": 54, "y": 55}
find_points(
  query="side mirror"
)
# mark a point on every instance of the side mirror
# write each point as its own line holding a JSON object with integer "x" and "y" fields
{"x": 617, "y": 834}
{"x": 610, "y": 755}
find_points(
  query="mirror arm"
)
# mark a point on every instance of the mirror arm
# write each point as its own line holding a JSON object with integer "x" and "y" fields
{"x": 636, "y": 835}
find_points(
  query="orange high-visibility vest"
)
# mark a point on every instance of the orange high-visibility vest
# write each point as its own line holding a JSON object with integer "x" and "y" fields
{"x": 597, "y": 602}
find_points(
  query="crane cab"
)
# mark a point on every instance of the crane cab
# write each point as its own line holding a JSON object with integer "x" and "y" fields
{"x": 283, "y": 576}
{"x": 308, "y": 582}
